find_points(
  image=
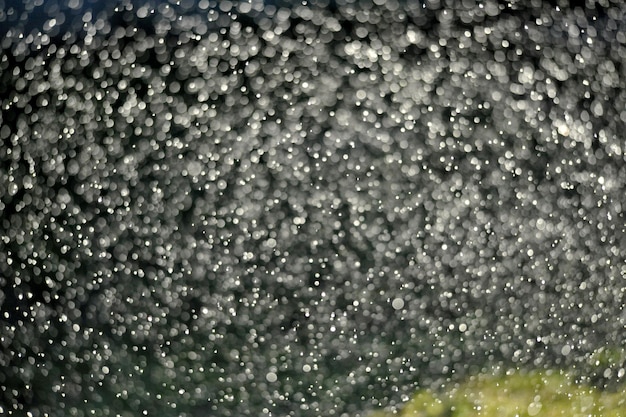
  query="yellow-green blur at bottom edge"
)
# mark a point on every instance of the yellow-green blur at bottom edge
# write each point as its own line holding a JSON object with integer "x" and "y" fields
{"x": 516, "y": 394}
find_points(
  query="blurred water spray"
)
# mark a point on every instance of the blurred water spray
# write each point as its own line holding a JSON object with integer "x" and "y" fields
{"x": 249, "y": 208}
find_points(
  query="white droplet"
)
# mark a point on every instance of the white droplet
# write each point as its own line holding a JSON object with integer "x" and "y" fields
{"x": 534, "y": 408}
{"x": 194, "y": 168}
{"x": 397, "y": 303}
{"x": 271, "y": 377}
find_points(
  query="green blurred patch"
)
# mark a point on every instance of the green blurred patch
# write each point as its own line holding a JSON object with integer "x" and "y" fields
{"x": 608, "y": 363}
{"x": 517, "y": 394}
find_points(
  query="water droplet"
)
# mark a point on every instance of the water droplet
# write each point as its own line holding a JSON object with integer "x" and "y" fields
{"x": 397, "y": 303}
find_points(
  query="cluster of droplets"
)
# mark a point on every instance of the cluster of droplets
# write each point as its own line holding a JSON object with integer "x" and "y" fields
{"x": 238, "y": 208}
